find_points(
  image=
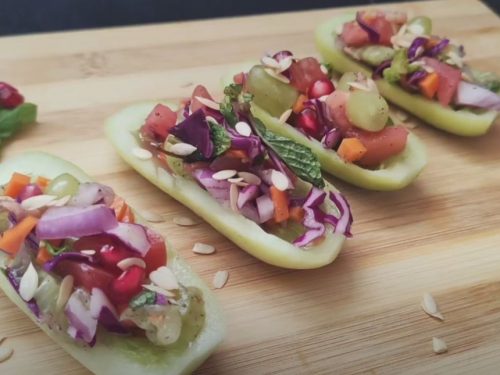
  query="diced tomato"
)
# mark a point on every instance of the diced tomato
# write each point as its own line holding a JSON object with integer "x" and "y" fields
{"x": 86, "y": 276}
{"x": 380, "y": 145}
{"x": 239, "y": 78}
{"x": 336, "y": 107}
{"x": 127, "y": 285}
{"x": 159, "y": 122}
{"x": 353, "y": 35}
{"x": 384, "y": 29}
{"x": 157, "y": 254}
{"x": 449, "y": 78}
{"x": 304, "y": 72}
{"x": 202, "y": 92}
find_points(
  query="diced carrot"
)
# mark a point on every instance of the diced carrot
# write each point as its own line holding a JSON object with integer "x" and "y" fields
{"x": 429, "y": 85}
{"x": 16, "y": 184}
{"x": 236, "y": 154}
{"x": 280, "y": 200}
{"x": 297, "y": 213}
{"x": 14, "y": 237}
{"x": 351, "y": 149}
{"x": 43, "y": 256}
{"x": 42, "y": 182}
{"x": 298, "y": 106}
{"x": 122, "y": 210}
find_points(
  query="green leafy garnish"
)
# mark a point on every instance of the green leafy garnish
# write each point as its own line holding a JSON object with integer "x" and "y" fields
{"x": 246, "y": 97}
{"x": 299, "y": 158}
{"x": 56, "y": 250}
{"x": 227, "y": 110}
{"x": 232, "y": 91}
{"x": 146, "y": 297}
{"x": 11, "y": 120}
{"x": 399, "y": 66}
{"x": 220, "y": 138}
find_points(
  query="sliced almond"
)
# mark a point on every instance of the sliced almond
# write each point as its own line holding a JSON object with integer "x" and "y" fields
{"x": 36, "y": 202}
{"x": 220, "y": 279}
{"x": 428, "y": 69}
{"x": 181, "y": 149}
{"x": 142, "y": 153}
{"x": 208, "y": 103}
{"x": 129, "y": 262}
{"x": 279, "y": 77}
{"x": 279, "y": 180}
{"x": 430, "y": 306}
{"x": 59, "y": 202}
{"x": 234, "y": 192}
{"x": 339, "y": 28}
{"x": 64, "y": 291}
{"x": 250, "y": 178}
{"x": 285, "y": 116}
{"x": 323, "y": 69}
{"x": 203, "y": 248}
{"x": 157, "y": 289}
{"x": 152, "y": 217}
{"x": 358, "y": 85}
{"x": 211, "y": 119}
{"x": 184, "y": 221}
{"x": 224, "y": 174}
{"x": 164, "y": 278}
{"x": 29, "y": 283}
{"x": 243, "y": 128}
{"x": 88, "y": 252}
{"x": 5, "y": 354}
{"x": 285, "y": 63}
{"x": 270, "y": 62}
{"x": 439, "y": 345}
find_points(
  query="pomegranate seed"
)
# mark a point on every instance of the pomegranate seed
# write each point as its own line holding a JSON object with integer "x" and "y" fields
{"x": 278, "y": 56}
{"x": 320, "y": 88}
{"x": 307, "y": 121}
{"x": 110, "y": 255}
{"x": 9, "y": 96}
{"x": 128, "y": 284}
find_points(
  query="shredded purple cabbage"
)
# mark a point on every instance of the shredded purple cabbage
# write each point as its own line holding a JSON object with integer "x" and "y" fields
{"x": 195, "y": 130}
{"x": 345, "y": 221}
{"x": 252, "y": 145}
{"x": 51, "y": 264}
{"x": 438, "y": 48}
{"x": 377, "y": 72}
{"x": 414, "y": 78}
{"x": 160, "y": 299}
{"x": 417, "y": 42}
{"x": 331, "y": 139}
{"x": 218, "y": 189}
{"x": 372, "y": 33}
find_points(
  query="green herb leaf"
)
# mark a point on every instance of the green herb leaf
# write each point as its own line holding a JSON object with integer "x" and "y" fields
{"x": 146, "y": 297}
{"x": 232, "y": 91}
{"x": 226, "y": 108}
{"x": 220, "y": 138}
{"x": 299, "y": 158}
{"x": 11, "y": 120}
{"x": 56, "y": 250}
{"x": 247, "y": 97}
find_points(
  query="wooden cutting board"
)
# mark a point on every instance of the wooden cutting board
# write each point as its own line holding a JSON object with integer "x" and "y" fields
{"x": 361, "y": 314}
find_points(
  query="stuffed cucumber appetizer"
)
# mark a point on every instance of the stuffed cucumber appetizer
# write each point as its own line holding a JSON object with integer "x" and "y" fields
{"x": 261, "y": 190}
{"x": 423, "y": 73}
{"x": 79, "y": 262}
{"x": 346, "y": 123}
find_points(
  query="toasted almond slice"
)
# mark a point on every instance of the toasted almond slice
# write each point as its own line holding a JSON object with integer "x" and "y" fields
{"x": 224, "y": 174}
{"x": 439, "y": 345}
{"x": 64, "y": 291}
{"x": 129, "y": 262}
{"x": 220, "y": 279}
{"x": 157, "y": 289}
{"x": 211, "y": 119}
{"x": 142, "y": 153}
{"x": 152, "y": 217}
{"x": 2, "y": 339}
{"x": 235, "y": 180}
{"x": 203, "y": 248}
{"x": 430, "y": 306}
{"x": 243, "y": 128}
{"x": 270, "y": 62}
{"x": 279, "y": 180}
{"x": 323, "y": 69}
{"x": 285, "y": 116}
{"x": 29, "y": 283}
{"x": 59, "y": 202}
{"x": 285, "y": 63}
{"x": 250, "y": 178}
{"x": 208, "y": 103}
{"x": 428, "y": 69}
{"x": 181, "y": 149}
{"x": 234, "y": 192}
{"x": 88, "y": 252}
{"x": 279, "y": 77}
{"x": 164, "y": 278}
{"x": 339, "y": 29}
{"x": 38, "y": 201}
{"x": 358, "y": 85}
{"x": 184, "y": 221}
{"x": 5, "y": 354}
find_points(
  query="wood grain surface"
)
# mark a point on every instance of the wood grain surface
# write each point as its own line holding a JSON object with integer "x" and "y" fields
{"x": 361, "y": 314}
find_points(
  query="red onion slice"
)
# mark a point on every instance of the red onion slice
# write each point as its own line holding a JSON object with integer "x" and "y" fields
{"x": 477, "y": 96}
{"x": 372, "y": 33}
{"x": 133, "y": 236}
{"x": 247, "y": 194}
{"x": 90, "y": 193}
{"x": 82, "y": 325}
{"x": 265, "y": 208}
{"x": 102, "y": 310}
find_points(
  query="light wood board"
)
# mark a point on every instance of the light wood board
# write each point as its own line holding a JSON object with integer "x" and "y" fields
{"x": 359, "y": 315}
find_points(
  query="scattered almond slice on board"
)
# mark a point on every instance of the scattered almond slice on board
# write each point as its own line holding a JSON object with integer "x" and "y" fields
{"x": 5, "y": 354}
{"x": 430, "y": 306}
{"x": 439, "y": 345}
{"x": 220, "y": 279}
{"x": 202, "y": 248}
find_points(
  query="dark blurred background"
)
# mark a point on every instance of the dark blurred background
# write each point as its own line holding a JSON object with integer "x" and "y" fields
{"x": 29, "y": 16}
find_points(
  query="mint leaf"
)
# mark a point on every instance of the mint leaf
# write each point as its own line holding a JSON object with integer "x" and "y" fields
{"x": 56, "y": 250}
{"x": 146, "y": 297}
{"x": 220, "y": 138}
{"x": 226, "y": 108}
{"x": 11, "y": 120}
{"x": 299, "y": 158}
{"x": 232, "y": 91}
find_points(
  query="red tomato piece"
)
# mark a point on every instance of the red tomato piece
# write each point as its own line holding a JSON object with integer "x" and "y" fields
{"x": 353, "y": 35}
{"x": 380, "y": 145}
{"x": 85, "y": 275}
{"x": 384, "y": 29}
{"x": 127, "y": 285}
{"x": 336, "y": 108}
{"x": 304, "y": 72}
{"x": 449, "y": 79}
{"x": 157, "y": 254}
{"x": 159, "y": 122}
